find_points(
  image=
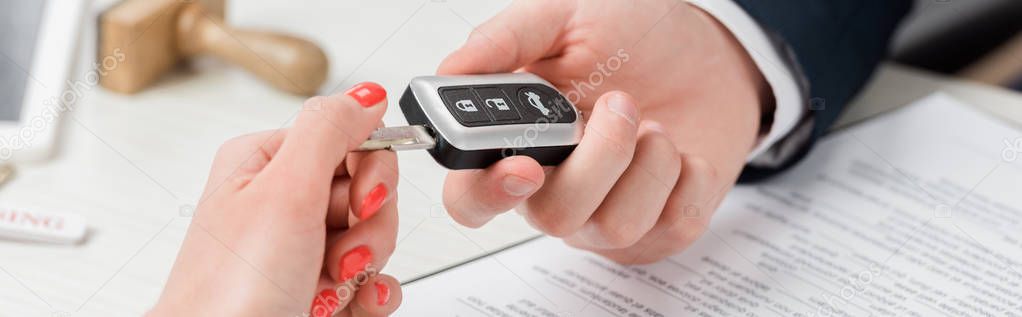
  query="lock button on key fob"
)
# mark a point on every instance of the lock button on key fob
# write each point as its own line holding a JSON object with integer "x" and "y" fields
{"x": 477, "y": 120}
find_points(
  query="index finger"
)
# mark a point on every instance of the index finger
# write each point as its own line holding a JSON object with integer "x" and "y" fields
{"x": 523, "y": 33}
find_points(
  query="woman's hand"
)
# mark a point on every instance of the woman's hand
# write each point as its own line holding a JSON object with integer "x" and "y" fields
{"x": 673, "y": 105}
{"x": 290, "y": 218}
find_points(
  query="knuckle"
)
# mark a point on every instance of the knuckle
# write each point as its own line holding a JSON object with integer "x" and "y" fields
{"x": 618, "y": 144}
{"x": 632, "y": 255}
{"x": 331, "y": 107}
{"x": 232, "y": 145}
{"x": 625, "y": 260}
{"x": 338, "y": 107}
{"x": 617, "y": 234}
{"x": 472, "y": 214}
{"x": 674, "y": 163}
{"x": 314, "y": 103}
{"x": 701, "y": 166}
{"x": 467, "y": 219}
{"x": 552, "y": 223}
{"x": 683, "y": 236}
{"x": 661, "y": 152}
{"x": 464, "y": 215}
{"x": 236, "y": 182}
{"x": 618, "y": 131}
{"x": 664, "y": 149}
{"x": 491, "y": 33}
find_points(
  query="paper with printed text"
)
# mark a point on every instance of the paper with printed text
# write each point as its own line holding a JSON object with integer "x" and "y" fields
{"x": 913, "y": 213}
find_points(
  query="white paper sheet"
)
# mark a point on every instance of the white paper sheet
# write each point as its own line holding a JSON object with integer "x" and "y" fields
{"x": 914, "y": 213}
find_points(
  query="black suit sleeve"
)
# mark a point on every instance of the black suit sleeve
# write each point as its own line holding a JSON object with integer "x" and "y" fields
{"x": 835, "y": 45}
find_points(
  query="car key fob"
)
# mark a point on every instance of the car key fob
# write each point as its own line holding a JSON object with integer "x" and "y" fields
{"x": 477, "y": 120}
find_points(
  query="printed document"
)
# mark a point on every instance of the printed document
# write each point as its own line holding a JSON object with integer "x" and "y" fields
{"x": 914, "y": 213}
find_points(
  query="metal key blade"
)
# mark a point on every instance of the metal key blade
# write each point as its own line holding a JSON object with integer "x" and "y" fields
{"x": 414, "y": 137}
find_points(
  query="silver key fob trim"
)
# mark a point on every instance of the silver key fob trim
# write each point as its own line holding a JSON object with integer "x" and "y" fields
{"x": 541, "y": 133}
{"x": 478, "y": 120}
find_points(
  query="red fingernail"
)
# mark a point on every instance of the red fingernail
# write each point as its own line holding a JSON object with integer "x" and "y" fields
{"x": 355, "y": 261}
{"x": 382, "y": 293}
{"x": 367, "y": 94}
{"x": 325, "y": 303}
{"x": 372, "y": 202}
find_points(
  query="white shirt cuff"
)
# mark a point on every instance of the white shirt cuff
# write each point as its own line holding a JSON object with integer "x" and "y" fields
{"x": 788, "y": 99}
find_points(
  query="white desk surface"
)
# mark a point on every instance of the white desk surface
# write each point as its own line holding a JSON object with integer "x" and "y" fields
{"x": 130, "y": 163}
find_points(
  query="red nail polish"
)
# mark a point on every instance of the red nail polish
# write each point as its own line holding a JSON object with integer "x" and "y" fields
{"x": 382, "y": 293}
{"x": 371, "y": 204}
{"x": 325, "y": 303}
{"x": 367, "y": 94}
{"x": 355, "y": 261}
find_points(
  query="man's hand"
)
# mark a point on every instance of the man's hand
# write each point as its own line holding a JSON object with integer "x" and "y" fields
{"x": 673, "y": 106}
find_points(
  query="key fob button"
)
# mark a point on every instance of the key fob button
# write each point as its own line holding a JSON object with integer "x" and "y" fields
{"x": 478, "y": 120}
{"x": 565, "y": 112}
{"x": 544, "y": 103}
{"x": 465, "y": 107}
{"x": 498, "y": 104}
{"x": 535, "y": 102}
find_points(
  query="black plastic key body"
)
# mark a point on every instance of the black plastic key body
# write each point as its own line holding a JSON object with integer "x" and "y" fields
{"x": 522, "y": 111}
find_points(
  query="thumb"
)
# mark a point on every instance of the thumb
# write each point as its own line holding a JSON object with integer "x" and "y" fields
{"x": 523, "y": 33}
{"x": 473, "y": 198}
{"x": 325, "y": 131}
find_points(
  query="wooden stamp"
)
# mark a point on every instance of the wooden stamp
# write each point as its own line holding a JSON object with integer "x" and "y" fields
{"x": 151, "y": 36}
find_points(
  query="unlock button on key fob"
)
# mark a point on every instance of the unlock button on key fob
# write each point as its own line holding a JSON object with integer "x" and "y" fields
{"x": 498, "y": 104}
